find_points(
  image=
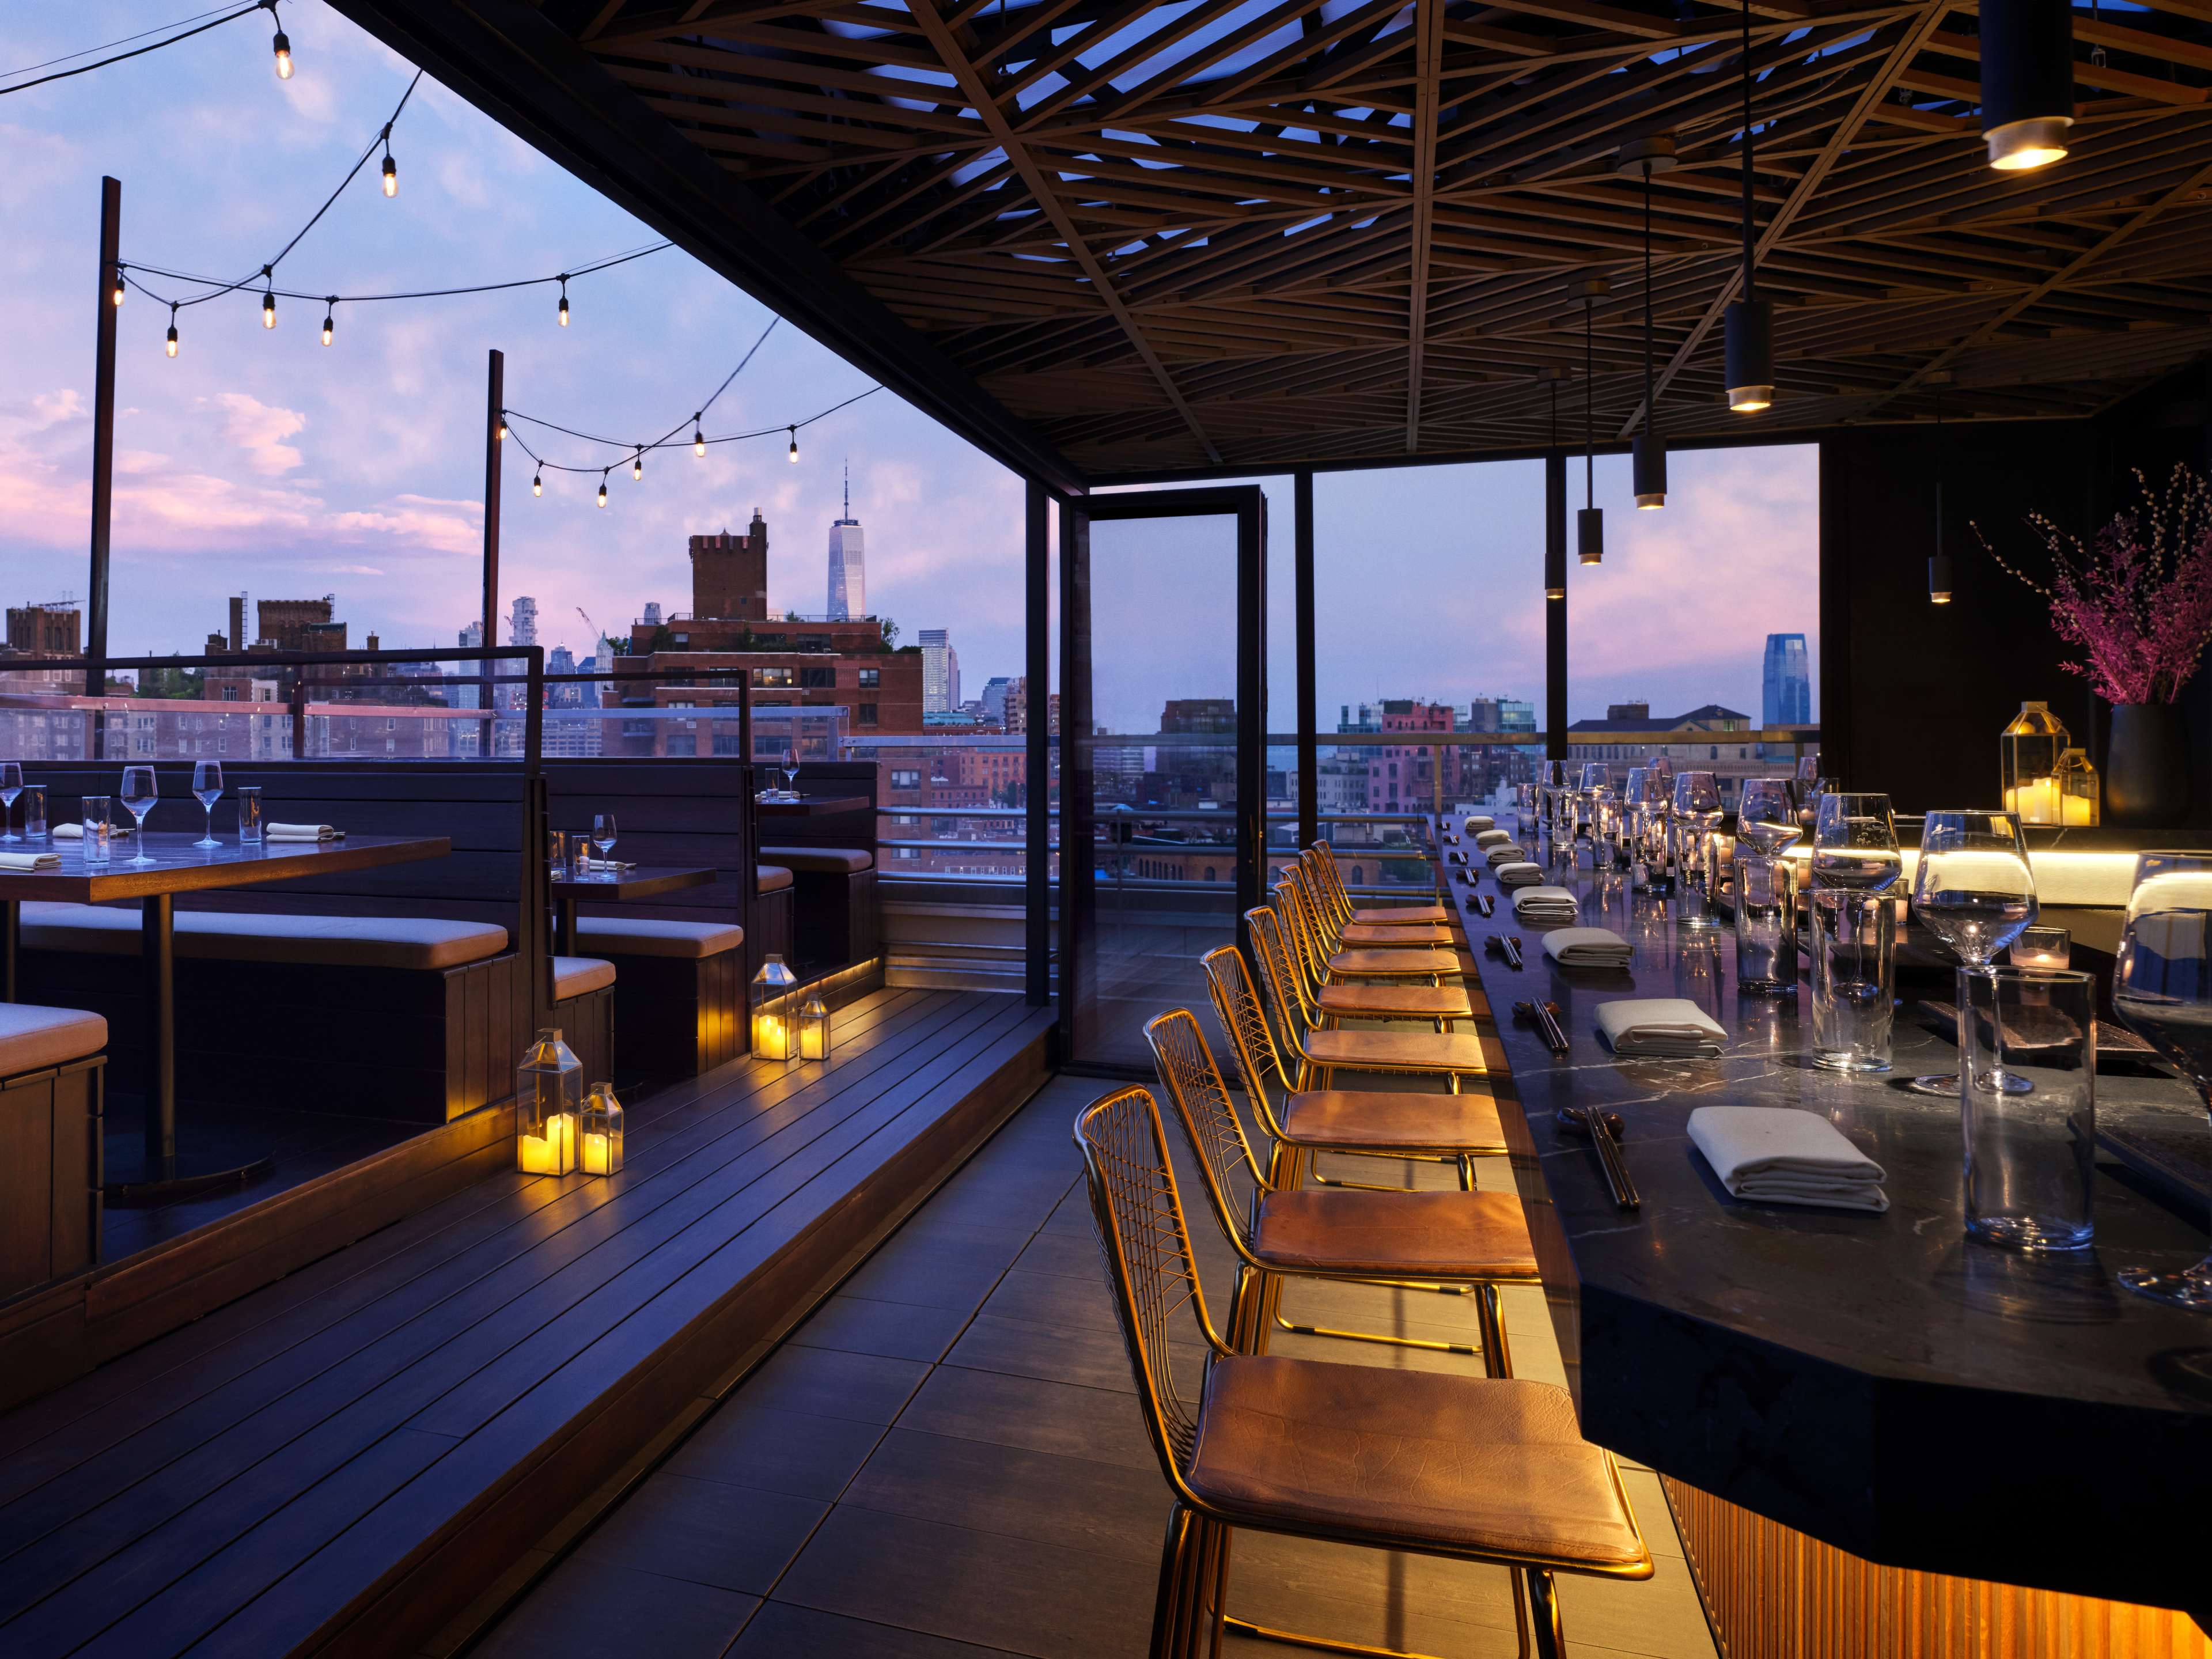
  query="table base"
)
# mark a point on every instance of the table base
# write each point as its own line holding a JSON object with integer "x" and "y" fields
{"x": 216, "y": 1158}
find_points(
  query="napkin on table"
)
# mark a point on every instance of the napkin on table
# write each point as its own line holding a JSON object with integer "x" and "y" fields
{"x": 1478, "y": 824}
{"x": 304, "y": 832}
{"x": 1778, "y": 1155}
{"x": 1486, "y": 838}
{"x": 1517, "y": 874}
{"x": 1660, "y": 1027}
{"x": 1542, "y": 903}
{"x": 1503, "y": 852}
{"x": 31, "y": 861}
{"x": 609, "y": 864}
{"x": 1587, "y": 947}
{"x": 72, "y": 830}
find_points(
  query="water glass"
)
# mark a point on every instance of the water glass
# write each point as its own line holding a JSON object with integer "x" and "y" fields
{"x": 579, "y": 856}
{"x": 99, "y": 843}
{"x": 1765, "y": 925}
{"x": 1697, "y": 814}
{"x": 140, "y": 793}
{"x": 1854, "y": 974}
{"x": 2031, "y": 1150}
{"x": 249, "y": 814}
{"x": 34, "y": 812}
{"x": 1974, "y": 890}
{"x": 11, "y": 785}
{"x": 557, "y": 854}
{"x": 2042, "y": 947}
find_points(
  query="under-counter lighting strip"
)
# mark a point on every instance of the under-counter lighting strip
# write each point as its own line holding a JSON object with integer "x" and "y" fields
{"x": 2060, "y": 877}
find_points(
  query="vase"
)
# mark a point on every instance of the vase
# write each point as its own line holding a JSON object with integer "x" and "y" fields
{"x": 2147, "y": 767}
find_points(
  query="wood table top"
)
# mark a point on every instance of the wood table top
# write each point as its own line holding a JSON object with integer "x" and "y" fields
{"x": 181, "y": 867}
{"x": 636, "y": 882}
{"x": 812, "y": 806}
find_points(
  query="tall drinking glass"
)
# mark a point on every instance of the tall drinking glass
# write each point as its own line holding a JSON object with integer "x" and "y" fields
{"x": 1593, "y": 793}
{"x": 11, "y": 785}
{"x": 1766, "y": 907}
{"x": 207, "y": 785}
{"x": 1855, "y": 863}
{"x": 1629, "y": 825}
{"x": 2028, "y": 1105}
{"x": 1697, "y": 814}
{"x": 2162, "y": 990}
{"x": 139, "y": 792}
{"x": 1975, "y": 892}
{"x": 98, "y": 829}
{"x": 1653, "y": 872}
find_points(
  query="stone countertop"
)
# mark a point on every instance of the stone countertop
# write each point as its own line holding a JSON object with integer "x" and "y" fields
{"x": 1877, "y": 1381}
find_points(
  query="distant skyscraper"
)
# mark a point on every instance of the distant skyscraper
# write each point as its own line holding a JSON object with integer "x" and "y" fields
{"x": 471, "y": 636}
{"x": 995, "y": 698}
{"x": 940, "y": 672}
{"x": 1786, "y": 691}
{"x": 849, "y": 565}
{"x": 522, "y": 623}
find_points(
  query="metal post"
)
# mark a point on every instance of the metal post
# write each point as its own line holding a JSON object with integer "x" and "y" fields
{"x": 1037, "y": 747}
{"x": 1078, "y": 853}
{"x": 1555, "y": 611}
{"x": 103, "y": 436}
{"x": 495, "y": 407}
{"x": 158, "y": 979}
{"x": 1251, "y": 712}
{"x": 1301, "y": 585}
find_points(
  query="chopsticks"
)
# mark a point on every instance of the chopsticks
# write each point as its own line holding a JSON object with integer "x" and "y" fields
{"x": 1604, "y": 1130}
{"x": 1544, "y": 1016}
{"x": 1506, "y": 946}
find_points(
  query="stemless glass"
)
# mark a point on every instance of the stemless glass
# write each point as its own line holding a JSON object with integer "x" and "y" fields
{"x": 98, "y": 831}
{"x": 139, "y": 792}
{"x": 2028, "y": 1105}
{"x": 1975, "y": 892}
{"x": 207, "y": 784}
{"x": 603, "y": 835}
{"x": 1697, "y": 814}
{"x": 2162, "y": 991}
{"x": 1593, "y": 793}
{"x": 1765, "y": 908}
{"x": 1855, "y": 862}
{"x": 11, "y": 785}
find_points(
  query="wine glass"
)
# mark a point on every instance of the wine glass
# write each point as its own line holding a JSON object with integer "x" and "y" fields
{"x": 139, "y": 793}
{"x": 603, "y": 835}
{"x": 207, "y": 784}
{"x": 1766, "y": 817}
{"x": 1855, "y": 843}
{"x": 2162, "y": 992}
{"x": 791, "y": 773}
{"x": 1697, "y": 814}
{"x": 11, "y": 785}
{"x": 1974, "y": 891}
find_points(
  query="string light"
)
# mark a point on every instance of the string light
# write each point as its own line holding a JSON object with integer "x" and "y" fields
{"x": 268, "y": 308}
{"x": 282, "y": 44}
{"x": 170, "y": 345}
{"x": 246, "y": 10}
{"x": 698, "y": 437}
{"x": 537, "y": 483}
{"x": 639, "y": 451}
{"x": 637, "y": 465}
{"x": 794, "y": 457}
{"x": 329, "y": 318}
{"x": 603, "y": 490}
{"x": 564, "y": 302}
{"x": 115, "y": 293}
{"x": 390, "y": 167}
{"x": 499, "y": 431}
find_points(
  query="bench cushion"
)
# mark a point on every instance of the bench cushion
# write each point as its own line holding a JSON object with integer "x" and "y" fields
{"x": 826, "y": 860}
{"x": 626, "y": 936}
{"x": 33, "y": 1038}
{"x": 771, "y": 877}
{"x": 418, "y": 943}
{"x": 576, "y": 976}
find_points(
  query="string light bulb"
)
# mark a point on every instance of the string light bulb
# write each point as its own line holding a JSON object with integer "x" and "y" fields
{"x": 115, "y": 293}
{"x": 330, "y": 319}
{"x": 501, "y": 428}
{"x": 564, "y": 302}
{"x": 537, "y": 483}
{"x": 282, "y": 44}
{"x": 698, "y": 437}
{"x": 637, "y": 465}
{"x": 794, "y": 457}
{"x": 170, "y": 345}
{"x": 269, "y": 307}
{"x": 390, "y": 167}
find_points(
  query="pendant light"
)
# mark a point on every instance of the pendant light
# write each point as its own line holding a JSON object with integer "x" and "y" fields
{"x": 1750, "y": 325}
{"x": 1939, "y": 563}
{"x": 1648, "y": 455}
{"x": 1590, "y": 520}
{"x": 1555, "y": 554}
{"x": 2027, "y": 81}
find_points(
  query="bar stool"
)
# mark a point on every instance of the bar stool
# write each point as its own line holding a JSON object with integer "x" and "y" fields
{"x": 1322, "y": 1054}
{"x": 1491, "y": 1470}
{"x": 1431, "y": 963}
{"x": 1472, "y": 1239}
{"x": 1349, "y": 933}
{"x": 1324, "y": 1005}
{"x": 1323, "y": 857}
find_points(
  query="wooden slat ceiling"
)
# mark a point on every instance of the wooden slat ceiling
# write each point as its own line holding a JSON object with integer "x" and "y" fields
{"x": 1244, "y": 234}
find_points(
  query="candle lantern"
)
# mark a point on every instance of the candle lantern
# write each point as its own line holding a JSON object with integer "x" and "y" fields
{"x": 548, "y": 1096}
{"x": 775, "y": 1011}
{"x": 2029, "y": 750}
{"x": 599, "y": 1149}
{"x": 814, "y": 1029}
{"x": 2077, "y": 789}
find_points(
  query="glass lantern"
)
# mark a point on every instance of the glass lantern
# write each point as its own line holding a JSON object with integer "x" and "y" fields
{"x": 2077, "y": 789}
{"x": 814, "y": 1029}
{"x": 2029, "y": 751}
{"x": 599, "y": 1149}
{"x": 549, "y": 1097}
{"x": 775, "y": 1011}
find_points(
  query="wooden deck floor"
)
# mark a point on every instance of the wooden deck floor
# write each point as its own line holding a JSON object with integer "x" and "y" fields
{"x": 340, "y": 1461}
{"x": 947, "y": 1462}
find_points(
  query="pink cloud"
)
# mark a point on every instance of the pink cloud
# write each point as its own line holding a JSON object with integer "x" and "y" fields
{"x": 259, "y": 429}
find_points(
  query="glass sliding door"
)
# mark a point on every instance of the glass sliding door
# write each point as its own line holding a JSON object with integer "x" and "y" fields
{"x": 1164, "y": 729}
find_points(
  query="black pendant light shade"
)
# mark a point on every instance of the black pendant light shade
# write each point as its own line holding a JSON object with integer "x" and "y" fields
{"x": 2027, "y": 81}
{"x": 1648, "y": 464}
{"x": 1750, "y": 328}
{"x": 1589, "y": 534}
{"x": 1939, "y": 563}
{"x": 1939, "y": 579}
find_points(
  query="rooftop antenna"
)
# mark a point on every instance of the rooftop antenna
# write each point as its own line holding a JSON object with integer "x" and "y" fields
{"x": 848, "y": 486}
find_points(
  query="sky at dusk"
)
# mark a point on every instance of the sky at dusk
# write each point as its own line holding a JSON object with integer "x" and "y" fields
{"x": 260, "y": 460}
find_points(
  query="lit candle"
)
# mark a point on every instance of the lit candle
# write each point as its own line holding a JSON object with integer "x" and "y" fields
{"x": 553, "y": 1152}
{"x": 595, "y": 1154}
{"x": 2077, "y": 809}
{"x": 810, "y": 1040}
{"x": 771, "y": 1040}
{"x": 2036, "y": 801}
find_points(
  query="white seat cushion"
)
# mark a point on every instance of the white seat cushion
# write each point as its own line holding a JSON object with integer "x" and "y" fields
{"x": 410, "y": 942}
{"x": 33, "y": 1038}
{"x": 828, "y": 860}
{"x": 627, "y": 936}
{"x": 770, "y": 878}
{"x": 575, "y": 977}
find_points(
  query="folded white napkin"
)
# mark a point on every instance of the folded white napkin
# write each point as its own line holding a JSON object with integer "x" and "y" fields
{"x": 1587, "y": 947}
{"x": 1778, "y": 1155}
{"x": 1478, "y": 824}
{"x": 1664, "y": 1028}
{"x": 303, "y": 832}
{"x": 1518, "y": 875}
{"x": 1493, "y": 838}
{"x": 1503, "y": 852}
{"x": 30, "y": 860}
{"x": 1542, "y": 903}
{"x": 70, "y": 831}
{"x": 609, "y": 864}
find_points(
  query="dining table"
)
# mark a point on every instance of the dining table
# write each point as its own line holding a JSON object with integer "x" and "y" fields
{"x": 617, "y": 886}
{"x": 177, "y": 864}
{"x": 811, "y": 806}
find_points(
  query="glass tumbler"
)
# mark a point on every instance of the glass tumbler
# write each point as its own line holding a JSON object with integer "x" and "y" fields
{"x": 1854, "y": 973}
{"x": 2030, "y": 1152}
{"x": 99, "y": 833}
{"x": 249, "y": 815}
{"x": 1765, "y": 924}
{"x": 34, "y": 812}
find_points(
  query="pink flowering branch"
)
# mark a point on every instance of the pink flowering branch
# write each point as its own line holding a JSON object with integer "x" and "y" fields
{"x": 2137, "y": 605}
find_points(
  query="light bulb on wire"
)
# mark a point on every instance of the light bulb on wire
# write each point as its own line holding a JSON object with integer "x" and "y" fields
{"x": 115, "y": 293}
{"x": 501, "y": 428}
{"x": 537, "y": 483}
{"x": 330, "y": 319}
{"x": 170, "y": 345}
{"x": 794, "y": 457}
{"x": 390, "y": 167}
{"x": 564, "y": 302}
{"x": 603, "y": 490}
{"x": 268, "y": 308}
{"x": 637, "y": 465}
{"x": 281, "y": 46}
{"x": 698, "y": 437}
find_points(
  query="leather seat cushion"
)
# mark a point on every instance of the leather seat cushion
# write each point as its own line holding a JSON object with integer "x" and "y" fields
{"x": 1436, "y": 1235}
{"x": 1389, "y": 964}
{"x": 1494, "y": 1467}
{"x": 418, "y": 943}
{"x": 576, "y": 976}
{"x": 1357, "y": 935}
{"x": 829, "y": 861}
{"x": 33, "y": 1038}
{"x": 1397, "y": 1051}
{"x": 770, "y": 878}
{"x": 628, "y": 936}
{"x": 1394, "y": 1121}
{"x": 1400, "y": 1001}
{"x": 1402, "y": 915}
